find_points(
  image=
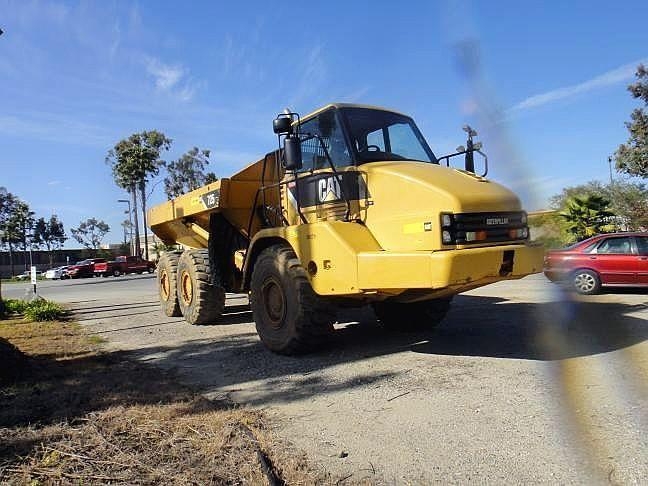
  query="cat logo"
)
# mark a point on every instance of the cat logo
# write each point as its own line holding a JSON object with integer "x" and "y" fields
{"x": 328, "y": 189}
{"x": 496, "y": 221}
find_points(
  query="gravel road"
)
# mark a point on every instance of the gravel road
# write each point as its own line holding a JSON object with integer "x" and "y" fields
{"x": 521, "y": 383}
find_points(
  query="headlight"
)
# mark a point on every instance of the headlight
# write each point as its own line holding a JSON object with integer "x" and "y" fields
{"x": 446, "y": 220}
{"x": 446, "y": 236}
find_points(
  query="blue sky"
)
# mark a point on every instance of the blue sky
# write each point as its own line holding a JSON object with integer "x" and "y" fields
{"x": 546, "y": 91}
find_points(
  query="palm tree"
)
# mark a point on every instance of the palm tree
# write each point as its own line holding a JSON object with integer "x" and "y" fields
{"x": 587, "y": 215}
{"x": 133, "y": 160}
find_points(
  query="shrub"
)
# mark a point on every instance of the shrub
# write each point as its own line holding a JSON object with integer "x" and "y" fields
{"x": 37, "y": 310}
{"x": 43, "y": 310}
{"x": 15, "y": 306}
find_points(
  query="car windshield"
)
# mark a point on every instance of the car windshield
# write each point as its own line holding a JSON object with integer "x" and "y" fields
{"x": 377, "y": 135}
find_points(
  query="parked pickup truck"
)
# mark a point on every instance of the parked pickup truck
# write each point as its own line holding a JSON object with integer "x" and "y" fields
{"x": 123, "y": 265}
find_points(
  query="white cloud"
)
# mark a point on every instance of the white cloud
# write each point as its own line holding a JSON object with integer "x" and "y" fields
{"x": 618, "y": 75}
{"x": 166, "y": 76}
{"x": 172, "y": 79}
{"x": 53, "y": 127}
{"x": 53, "y": 183}
{"x": 311, "y": 76}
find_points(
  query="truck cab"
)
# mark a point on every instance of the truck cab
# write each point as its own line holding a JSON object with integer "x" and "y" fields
{"x": 405, "y": 211}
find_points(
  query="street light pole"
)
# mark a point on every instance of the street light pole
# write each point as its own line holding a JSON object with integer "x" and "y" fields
{"x": 610, "y": 165}
{"x": 130, "y": 222}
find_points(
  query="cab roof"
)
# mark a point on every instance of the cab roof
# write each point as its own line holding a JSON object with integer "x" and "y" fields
{"x": 347, "y": 105}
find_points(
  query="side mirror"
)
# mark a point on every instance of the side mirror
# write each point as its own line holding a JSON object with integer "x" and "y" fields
{"x": 282, "y": 125}
{"x": 292, "y": 153}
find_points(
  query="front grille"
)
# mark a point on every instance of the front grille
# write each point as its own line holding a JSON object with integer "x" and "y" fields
{"x": 479, "y": 228}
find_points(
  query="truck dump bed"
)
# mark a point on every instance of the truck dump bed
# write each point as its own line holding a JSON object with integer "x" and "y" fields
{"x": 185, "y": 219}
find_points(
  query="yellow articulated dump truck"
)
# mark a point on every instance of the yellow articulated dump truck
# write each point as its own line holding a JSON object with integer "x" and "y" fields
{"x": 353, "y": 208}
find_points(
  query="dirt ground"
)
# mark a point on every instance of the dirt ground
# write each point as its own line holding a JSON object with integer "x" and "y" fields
{"x": 521, "y": 384}
{"x": 72, "y": 415}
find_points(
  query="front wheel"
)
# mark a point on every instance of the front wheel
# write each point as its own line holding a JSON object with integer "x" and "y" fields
{"x": 586, "y": 282}
{"x": 290, "y": 318}
{"x": 116, "y": 272}
{"x": 414, "y": 316}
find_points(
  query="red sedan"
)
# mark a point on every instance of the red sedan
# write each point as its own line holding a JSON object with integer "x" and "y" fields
{"x": 614, "y": 259}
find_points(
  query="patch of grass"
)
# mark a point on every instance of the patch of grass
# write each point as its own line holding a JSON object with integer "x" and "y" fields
{"x": 47, "y": 340}
{"x": 72, "y": 414}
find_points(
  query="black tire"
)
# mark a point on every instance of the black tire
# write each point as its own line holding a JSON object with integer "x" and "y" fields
{"x": 116, "y": 272}
{"x": 585, "y": 282}
{"x": 167, "y": 284}
{"x": 201, "y": 297}
{"x": 151, "y": 270}
{"x": 414, "y": 316}
{"x": 290, "y": 318}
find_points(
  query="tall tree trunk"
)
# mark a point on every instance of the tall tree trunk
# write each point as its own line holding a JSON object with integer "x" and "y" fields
{"x": 135, "y": 251}
{"x": 143, "y": 191}
{"x": 24, "y": 244}
{"x": 11, "y": 261}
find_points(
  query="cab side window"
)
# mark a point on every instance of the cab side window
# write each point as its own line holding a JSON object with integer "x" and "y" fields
{"x": 618, "y": 246}
{"x": 642, "y": 244}
{"x": 325, "y": 126}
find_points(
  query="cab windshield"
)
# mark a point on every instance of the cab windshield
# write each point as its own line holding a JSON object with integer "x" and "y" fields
{"x": 377, "y": 135}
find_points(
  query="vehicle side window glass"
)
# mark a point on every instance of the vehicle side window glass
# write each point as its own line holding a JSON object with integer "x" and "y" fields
{"x": 404, "y": 143}
{"x": 618, "y": 246}
{"x": 376, "y": 139}
{"x": 642, "y": 243}
{"x": 327, "y": 127}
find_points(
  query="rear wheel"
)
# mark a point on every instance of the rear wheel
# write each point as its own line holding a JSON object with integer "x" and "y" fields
{"x": 586, "y": 282}
{"x": 414, "y": 316}
{"x": 167, "y": 283}
{"x": 290, "y": 318}
{"x": 116, "y": 272}
{"x": 201, "y": 297}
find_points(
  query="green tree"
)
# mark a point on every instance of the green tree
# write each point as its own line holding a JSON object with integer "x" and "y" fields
{"x": 587, "y": 215}
{"x": 8, "y": 234}
{"x": 49, "y": 234}
{"x": 632, "y": 156}
{"x": 133, "y": 161}
{"x": 187, "y": 173}
{"x": 90, "y": 233}
{"x": 17, "y": 226}
{"x": 628, "y": 201}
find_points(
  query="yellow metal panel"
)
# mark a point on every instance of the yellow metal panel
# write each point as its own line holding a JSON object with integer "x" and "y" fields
{"x": 440, "y": 269}
{"x": 387, "y": 270}
{"x": 333, "y": 247}
{"x": 405, "y": 196}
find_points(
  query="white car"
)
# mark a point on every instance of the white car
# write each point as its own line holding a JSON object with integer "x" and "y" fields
{"x": 27, "y": 275}
{"x": 56, "y": 273}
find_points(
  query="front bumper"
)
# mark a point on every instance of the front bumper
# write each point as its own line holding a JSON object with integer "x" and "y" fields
{"x": 455, "y": 270}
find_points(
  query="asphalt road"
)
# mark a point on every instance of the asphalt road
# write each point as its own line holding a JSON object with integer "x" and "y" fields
{"x": 521, "y": 384}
